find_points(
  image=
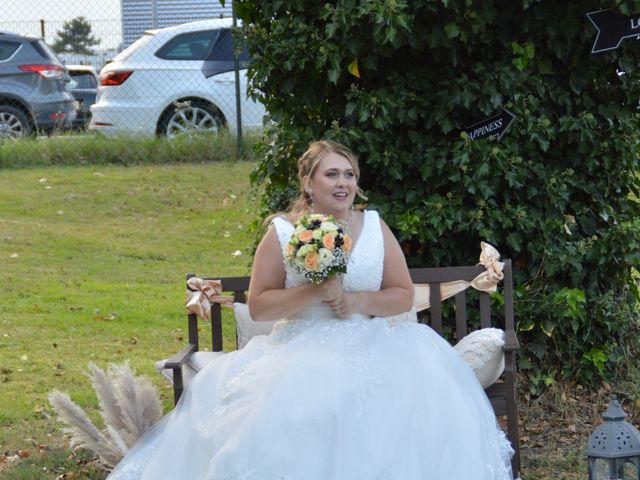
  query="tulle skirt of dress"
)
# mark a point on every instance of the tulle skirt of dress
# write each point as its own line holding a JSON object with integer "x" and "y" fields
{"x": 329, "y": 399}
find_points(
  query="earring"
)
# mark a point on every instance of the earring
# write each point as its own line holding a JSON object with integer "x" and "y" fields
{"x": 309, "y": 192}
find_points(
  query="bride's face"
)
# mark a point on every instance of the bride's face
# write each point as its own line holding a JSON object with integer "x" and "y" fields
{"x": 333, "y": 186}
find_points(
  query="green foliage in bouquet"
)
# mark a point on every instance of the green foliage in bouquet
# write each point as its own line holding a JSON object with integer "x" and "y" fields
{"x": 399, "y": 81}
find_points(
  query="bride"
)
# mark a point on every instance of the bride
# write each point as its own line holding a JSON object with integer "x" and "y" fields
{"x": 335, "y": 392}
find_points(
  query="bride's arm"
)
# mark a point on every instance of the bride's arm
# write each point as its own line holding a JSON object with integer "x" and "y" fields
{"x": 267, "y": 298}
{"x": 396, "y": 292}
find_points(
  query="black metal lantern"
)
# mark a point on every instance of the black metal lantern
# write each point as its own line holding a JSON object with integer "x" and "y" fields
{"x": 615, "y": 442}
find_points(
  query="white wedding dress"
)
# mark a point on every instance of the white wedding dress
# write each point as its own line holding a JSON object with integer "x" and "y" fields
{"x": 323, "y": 398}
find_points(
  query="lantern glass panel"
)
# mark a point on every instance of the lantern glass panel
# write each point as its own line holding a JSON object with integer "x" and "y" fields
{"x": 630, "y": 471}
{"x": 602, "y": 469}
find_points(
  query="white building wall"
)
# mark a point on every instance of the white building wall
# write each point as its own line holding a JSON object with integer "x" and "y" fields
{"x": 141, "y": 15}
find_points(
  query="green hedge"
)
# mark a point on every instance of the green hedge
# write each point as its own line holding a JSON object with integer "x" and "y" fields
{"x": 398, "y": 82}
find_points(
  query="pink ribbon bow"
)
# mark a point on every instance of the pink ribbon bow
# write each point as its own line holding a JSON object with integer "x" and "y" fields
{"x": 202, "y": 293}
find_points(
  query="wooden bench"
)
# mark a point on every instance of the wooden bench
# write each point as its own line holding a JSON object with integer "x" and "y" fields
{"x": 453, "y": 319}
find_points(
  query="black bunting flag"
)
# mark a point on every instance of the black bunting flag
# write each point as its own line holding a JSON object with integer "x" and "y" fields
{"x": 612, "y": 29}
{"x": 495, "y": 125}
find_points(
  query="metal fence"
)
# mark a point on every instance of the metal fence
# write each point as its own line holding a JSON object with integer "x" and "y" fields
{"x": 126, "y": 67}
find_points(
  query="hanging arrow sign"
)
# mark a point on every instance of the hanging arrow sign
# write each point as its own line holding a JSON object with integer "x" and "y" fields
{"x": 612, "y": 29}
{"x": 495, "y": 125}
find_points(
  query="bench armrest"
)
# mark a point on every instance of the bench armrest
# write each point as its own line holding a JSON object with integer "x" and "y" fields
{"x": 181, "y": 357}
{"x": 511, "y": 341}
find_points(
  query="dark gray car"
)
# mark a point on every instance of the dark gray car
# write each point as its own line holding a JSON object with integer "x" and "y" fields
{"x": 33, "y": 93}
{"x": 84, "y": 88}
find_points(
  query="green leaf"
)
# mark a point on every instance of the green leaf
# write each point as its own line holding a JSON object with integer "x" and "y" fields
{"x": 452, "y": 30}
{"x": 334, "y": 72}
{"x": 548, "y": 326}
{"x": 520, "y": 63}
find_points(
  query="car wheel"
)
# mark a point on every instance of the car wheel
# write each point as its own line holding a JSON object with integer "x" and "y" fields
{"x": 191, "y": 117}
{"x": 14, "y": 123}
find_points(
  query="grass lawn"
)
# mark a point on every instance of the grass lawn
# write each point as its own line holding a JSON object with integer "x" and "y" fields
{"x": 92, "y": 264}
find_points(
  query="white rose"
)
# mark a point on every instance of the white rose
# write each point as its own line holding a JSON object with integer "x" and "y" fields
{"x": 329, "y": 227}
{"x": 326, "y": 257}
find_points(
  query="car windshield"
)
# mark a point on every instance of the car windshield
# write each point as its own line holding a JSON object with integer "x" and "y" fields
{"x": 83, "y": 80}
{"x": 126, "y": 53}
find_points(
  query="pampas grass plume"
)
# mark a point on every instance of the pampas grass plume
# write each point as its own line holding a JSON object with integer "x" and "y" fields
{"x": 129, "y": 406}
{"x": 83, "y": 432}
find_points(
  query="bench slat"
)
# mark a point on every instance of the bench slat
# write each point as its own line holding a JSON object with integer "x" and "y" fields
{"x": 435, "y": 307}
{"x": 485, "y": 310}
{"x": 216, "y": 327}
{"x": 461, "y": 315}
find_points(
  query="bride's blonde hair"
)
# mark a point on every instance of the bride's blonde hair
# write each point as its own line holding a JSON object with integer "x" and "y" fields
{"x": 307, "y": 165}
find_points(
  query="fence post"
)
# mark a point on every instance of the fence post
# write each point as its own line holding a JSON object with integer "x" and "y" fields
{"x": 42, "y": 28}
{"x": 236, "y": 68}
{"x": 154, "y": 14}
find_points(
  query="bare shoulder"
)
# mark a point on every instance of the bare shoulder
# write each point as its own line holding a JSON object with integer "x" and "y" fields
{"x": 386, "y": 231}
{"x": 269, "y": 243}
{"x": 268, "y": 268}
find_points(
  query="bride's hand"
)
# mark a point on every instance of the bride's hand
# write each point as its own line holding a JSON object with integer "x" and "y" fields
{"x": 344, "y": 305}
{"x": 331, "y": 289}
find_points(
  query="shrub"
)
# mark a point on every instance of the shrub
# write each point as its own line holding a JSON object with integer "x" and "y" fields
{"x": 399, "y": 81}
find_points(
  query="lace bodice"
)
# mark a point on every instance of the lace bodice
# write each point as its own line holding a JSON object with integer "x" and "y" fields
{"x": 365, "y": 267}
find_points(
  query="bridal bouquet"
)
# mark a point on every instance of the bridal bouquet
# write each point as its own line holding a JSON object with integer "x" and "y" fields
{"x": 319, "y": 247}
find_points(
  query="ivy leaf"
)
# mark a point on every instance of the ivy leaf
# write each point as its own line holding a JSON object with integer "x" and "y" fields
{"x": 334, "y": 71}
{"x": 353, "y": 68}
{"x": 452, "y": 30}
{"x": 577, "y": 80}
{"x": 548, "y": 326}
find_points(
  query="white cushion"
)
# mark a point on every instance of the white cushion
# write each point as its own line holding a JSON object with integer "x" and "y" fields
{"x": 196, "y": 362}
{"x": 483, "y": 351}
{"x": 199, "y": 360}
{"x": 246, "y": 327}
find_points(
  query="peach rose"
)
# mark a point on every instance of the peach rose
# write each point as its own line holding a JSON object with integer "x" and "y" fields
{"x": 328, "y": 241}
{"x": 346, "y": 246}
{"x": 312, "y": 262}
{"x": 305, "y": 235}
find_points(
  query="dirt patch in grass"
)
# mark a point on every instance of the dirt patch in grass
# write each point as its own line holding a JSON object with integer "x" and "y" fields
{"x": 555, "y": 427}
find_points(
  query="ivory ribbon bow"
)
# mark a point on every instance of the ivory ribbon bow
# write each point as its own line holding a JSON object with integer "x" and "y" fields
{"x": 485, "y": 282}
{"x": 202, "y": 293}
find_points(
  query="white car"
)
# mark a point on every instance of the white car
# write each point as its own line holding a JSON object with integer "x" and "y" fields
{"x": 175, "y": 80}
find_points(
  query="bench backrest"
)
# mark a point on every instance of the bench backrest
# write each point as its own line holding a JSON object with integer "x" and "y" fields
{"x": 488, "y": 316}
